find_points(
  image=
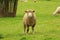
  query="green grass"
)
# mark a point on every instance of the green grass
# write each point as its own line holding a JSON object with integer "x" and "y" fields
{"x": 47, "y": 27}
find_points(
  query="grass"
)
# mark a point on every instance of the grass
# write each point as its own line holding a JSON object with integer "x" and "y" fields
{"x": 47, "y": 27}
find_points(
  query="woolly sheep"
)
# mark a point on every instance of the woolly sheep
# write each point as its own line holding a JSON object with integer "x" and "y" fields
{"x": 57, "y": 11}
{"x": 29, "y": 19}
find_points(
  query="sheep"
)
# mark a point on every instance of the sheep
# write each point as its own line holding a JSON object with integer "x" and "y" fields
{"x": 29, "y": 19}
{"x": 57, "y": 11}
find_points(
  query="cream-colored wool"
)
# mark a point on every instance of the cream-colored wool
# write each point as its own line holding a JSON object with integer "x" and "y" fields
{"x": 57, "y": 11}
{"x": 29, "y": 21}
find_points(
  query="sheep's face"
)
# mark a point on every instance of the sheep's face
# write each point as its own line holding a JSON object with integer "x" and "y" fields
{"x": 30, "y": 13}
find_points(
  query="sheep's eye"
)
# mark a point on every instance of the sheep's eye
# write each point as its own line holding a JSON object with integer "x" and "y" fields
{"x": 33, "y": 11}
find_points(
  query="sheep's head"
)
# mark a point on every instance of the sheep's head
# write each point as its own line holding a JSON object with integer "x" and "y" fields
{"x": 30, "y": 13}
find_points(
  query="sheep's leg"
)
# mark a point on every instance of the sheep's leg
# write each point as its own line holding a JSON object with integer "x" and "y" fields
{"x": 27, "y": 28}
{"x": 33, "y": 28}
{"x": 24, "y": 28}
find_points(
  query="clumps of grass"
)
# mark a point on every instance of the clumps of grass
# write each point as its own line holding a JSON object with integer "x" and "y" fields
{"x": 23, "y": 38}
{"x": 1, "y": 36}
{"x": 48, "y": 39}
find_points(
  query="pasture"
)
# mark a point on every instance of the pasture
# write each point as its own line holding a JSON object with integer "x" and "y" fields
{"x": 47, "y": 27}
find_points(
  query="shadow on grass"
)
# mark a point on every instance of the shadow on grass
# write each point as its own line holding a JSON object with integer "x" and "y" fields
{"x": 56, "y": 15}
{"x": 1, "y": 36}
{"x": 48, "y": 39}
{"x": 35, "y": 33}
{"x": 23, "y": 38}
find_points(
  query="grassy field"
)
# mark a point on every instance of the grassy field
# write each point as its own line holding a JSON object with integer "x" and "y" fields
{"x": 47, "y": 27}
